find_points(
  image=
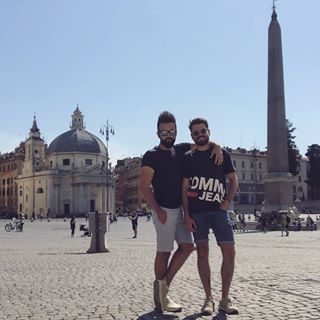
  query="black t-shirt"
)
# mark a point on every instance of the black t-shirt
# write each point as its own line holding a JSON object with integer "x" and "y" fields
{"x": 207, "y": 181}
{"x": 167, "y": 178}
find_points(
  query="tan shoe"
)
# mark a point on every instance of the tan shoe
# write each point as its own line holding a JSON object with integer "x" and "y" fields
{"x": 160, "y": 292}
{"x": 170, "y": 306}
{"x": 208, "y": 307}
{"x": 161, "y": 299}
{"x": 227, "y": 307}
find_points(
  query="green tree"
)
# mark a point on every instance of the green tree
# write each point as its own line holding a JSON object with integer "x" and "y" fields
{"x": 293, "y": 152}
{"x": 313, "y": 181}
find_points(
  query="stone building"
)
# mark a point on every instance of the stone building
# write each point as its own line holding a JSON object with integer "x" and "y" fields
{"x": 128, "y": 193}
{"x": 10, "y": 167}
{"x": 67, "y": 178}
{"x": 251, "y": 168}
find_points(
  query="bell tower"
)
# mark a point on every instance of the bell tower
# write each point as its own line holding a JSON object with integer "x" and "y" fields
{"x": 34, "y": 150}
{"x": 77, "y": 119}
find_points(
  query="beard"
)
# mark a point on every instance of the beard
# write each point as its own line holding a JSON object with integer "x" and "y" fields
{"x": 202, "y": 142}
{"x": 168, "y": 143}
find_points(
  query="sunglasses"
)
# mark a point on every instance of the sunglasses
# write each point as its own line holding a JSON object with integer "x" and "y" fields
{"x": 165, "y": 133}
{"x": 202, "y": 131}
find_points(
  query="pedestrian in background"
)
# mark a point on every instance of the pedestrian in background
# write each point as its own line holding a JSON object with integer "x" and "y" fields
{"x": 72, "y": 225}
{"x": 285, "y": 222}
{"x": 134, "y": 220}
{"x": 21, "y": 218}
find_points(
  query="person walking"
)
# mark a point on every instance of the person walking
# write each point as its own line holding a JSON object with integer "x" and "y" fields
{"x": 21, "y": 221}
{"x": 133, "y": 216}
{"x": 285, "y": 221}
{"x": 160, "y": 183}
{"x": 299, "y": 227}
{"x": 243, "y": 224}
{"x": 72, "y": 225}
{"x": 205, "y": 202}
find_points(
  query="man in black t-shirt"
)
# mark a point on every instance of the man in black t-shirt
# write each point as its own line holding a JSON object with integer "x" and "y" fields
{"x": 205, "y": 203}
{"x": 162, "y": 168}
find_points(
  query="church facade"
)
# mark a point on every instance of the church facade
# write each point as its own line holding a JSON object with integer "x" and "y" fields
{"x": 67, "y": 178}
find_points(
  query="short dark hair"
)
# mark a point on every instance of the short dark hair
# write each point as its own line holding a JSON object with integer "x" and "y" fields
{"x": 166, "y": 117}
{"x": 198, "y": 121}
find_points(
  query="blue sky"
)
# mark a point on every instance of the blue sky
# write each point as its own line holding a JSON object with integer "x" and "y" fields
{"x": 128, "y": 60}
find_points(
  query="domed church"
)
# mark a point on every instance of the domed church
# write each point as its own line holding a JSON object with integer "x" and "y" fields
{"x": 67, "y": 178}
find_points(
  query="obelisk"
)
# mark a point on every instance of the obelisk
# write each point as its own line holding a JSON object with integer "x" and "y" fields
{"x": 278, "y": 180}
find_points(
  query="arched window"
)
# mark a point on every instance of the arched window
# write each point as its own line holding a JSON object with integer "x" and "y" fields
{"x": 39, "y": 190}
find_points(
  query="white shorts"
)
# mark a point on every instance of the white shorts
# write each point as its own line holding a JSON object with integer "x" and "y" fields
{"x": 173, "y": 229}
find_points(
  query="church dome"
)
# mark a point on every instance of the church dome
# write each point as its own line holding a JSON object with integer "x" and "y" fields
{"x": 77, "y": 140}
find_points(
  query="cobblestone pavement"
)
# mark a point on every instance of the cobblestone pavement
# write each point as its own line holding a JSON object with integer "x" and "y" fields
{"x": 46, "y": 274}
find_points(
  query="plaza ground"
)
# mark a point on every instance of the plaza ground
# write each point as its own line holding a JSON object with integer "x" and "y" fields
{"x": 46, "y": 274}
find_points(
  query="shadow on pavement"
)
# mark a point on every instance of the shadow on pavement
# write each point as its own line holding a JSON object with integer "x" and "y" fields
{"x": 59, "y": 253}
{"x": 88, "y": 253}
{"x": 193, "y": 317}
{"x": 157, "y": 315}
{"x": 220, "y": 316}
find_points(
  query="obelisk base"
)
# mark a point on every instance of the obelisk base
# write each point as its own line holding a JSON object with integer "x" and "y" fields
{"x": 97, "y": 228}
{"x": 278, "y": 192}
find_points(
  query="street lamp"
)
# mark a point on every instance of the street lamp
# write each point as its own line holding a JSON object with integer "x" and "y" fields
{"x": 102, "y": 188}
{"x": 254, "y": 153}
{"x": 107, "y": 130}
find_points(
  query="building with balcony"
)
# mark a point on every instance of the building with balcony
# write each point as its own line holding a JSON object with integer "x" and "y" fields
{"x": 11, "y": 165}
{"x": 251, "y": 167}
{"x": 128, "y": 193}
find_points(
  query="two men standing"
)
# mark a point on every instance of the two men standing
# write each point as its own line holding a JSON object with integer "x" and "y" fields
{"x": 163, "y": 168}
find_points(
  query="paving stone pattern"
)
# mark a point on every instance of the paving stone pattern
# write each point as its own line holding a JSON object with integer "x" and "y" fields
{"x": 46, "y": 274}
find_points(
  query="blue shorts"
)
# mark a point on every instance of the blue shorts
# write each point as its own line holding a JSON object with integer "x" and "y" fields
{"x": 218, "y": 221}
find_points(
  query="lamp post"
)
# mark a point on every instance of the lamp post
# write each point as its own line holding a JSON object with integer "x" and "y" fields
{"x": 107, "y": 130}
{"x": 102, "y": 189}
{"x": 254, "y": 153}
